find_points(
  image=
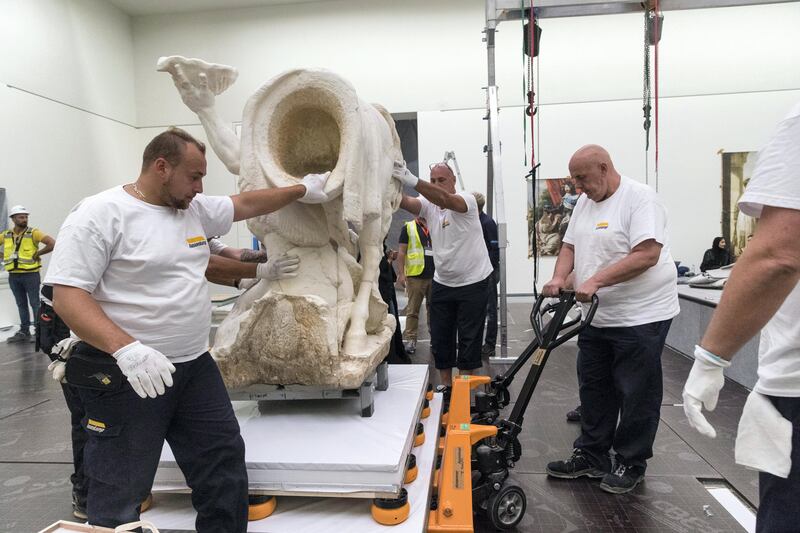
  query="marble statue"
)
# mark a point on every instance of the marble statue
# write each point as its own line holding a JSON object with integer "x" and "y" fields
{"x": 328, "y": 326}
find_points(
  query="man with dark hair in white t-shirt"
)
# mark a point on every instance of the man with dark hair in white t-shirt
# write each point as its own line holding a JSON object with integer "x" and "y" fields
{"x": 617, "y": 246}
{"x": 763, "y": 292}
{"x": 128, "y": 280}
{"x": 462, "y": 268}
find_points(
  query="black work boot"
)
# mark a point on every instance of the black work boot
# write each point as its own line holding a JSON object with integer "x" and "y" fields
{"x": 574, "y": 415}
{"x": 623, "y": 479}
{"x": 79, "y": 506}
{"x": 579, "y": 465}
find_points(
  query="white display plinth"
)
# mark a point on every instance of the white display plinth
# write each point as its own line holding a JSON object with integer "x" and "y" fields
{"x": 312, "y": 515}
{"x": 325, "y": 447}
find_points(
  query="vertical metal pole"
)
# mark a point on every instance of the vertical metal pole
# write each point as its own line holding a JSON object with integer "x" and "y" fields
{"x": 491, "y": 26}
{"x": 494, "y": 174}
{"x": 494, "y": 142}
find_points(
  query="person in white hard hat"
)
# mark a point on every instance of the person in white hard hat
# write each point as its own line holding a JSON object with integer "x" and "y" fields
{"x": 22, "y": 260}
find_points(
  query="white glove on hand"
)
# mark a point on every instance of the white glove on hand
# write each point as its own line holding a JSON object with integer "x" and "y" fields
{"x": 283, "y": 266}
{"x": 148, "y": 370}
{"x": 702, "y": 389}
{"x": 58, "y": 368}
{"x": 314, "y": 183}
{"x": 401, "y": 173}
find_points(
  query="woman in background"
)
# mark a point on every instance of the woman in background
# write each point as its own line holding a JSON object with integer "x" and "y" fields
{"x": 717, "y": 256}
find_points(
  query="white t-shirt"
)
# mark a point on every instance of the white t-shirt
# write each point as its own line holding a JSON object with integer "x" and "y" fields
{"x": 776, "y": 183}
{"x": 605, "y": 232}
{"x": 459, "y": 252}
{"x": 145, "y": 265}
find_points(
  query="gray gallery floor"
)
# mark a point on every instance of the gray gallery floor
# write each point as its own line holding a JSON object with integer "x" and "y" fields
{"x": 35, "y": 455}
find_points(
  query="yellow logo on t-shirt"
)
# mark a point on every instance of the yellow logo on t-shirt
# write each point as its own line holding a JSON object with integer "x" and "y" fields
{"x": 601, "y": 225}
{"x": 194, "y": 242}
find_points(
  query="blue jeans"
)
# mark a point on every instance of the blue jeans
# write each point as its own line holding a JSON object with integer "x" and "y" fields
{"x": 25, "y": 287}
{"x": 778, "y": 511}
{"x": 195, "y": 416}
{"x": 619, "y": 372}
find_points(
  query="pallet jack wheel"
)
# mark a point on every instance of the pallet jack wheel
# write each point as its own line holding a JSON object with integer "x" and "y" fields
{"x": 426, "y": 409}
{"x": 260, "y": 506}
{"x": 147, "y": 503}
{"x": 420, "y": 436}
{"x": 391, "y": 511}
{"x": 411, "y": 469}
{"x": 429, "y": 392}
{"x": 506, "y": 508}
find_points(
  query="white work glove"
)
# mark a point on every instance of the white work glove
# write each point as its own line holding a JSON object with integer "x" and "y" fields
{"x": 702, "y": 389}
{"x": 283, "y": 266}
{"x": 314, "y": 183}
{"x": 148, "y": 370}
{"x": 245, "y": 284}
{"x": 58, "y": 368}
{"x": 400, "y": 172}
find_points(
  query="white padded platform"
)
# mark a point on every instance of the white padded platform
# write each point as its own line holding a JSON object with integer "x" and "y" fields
{"x": 325, "y": 447}
{"x": 312, "y": 515}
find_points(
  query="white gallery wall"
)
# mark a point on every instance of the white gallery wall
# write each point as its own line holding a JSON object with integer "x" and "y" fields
{"x": 67, "y": 108}
{"x": 726, "y": 77}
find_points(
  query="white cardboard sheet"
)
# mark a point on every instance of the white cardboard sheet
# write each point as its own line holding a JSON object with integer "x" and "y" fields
{"x": 325, "y": 447}
{"x": 315, "y": 515}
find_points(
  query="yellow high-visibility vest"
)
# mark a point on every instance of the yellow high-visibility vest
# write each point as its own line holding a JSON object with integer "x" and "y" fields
{"x": 415, "y": 254}
{"x": 20, "y": 259}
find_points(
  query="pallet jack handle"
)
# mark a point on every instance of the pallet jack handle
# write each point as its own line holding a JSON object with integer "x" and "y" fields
{"x": 547, "y": 335}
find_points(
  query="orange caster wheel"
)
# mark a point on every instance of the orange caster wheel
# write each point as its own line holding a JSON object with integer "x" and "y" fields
{"x": 426, "y": 410}
{"x": 411, "y": 469}
{"x": 391, "y": 511}
{"x": 429, "y": 392}
{"x": 420, "y": 438}
{"x": 260, "y": 507}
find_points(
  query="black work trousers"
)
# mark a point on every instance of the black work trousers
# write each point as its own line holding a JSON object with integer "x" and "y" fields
{"x": 778, "y": 510}
{"x": 457, "y": 318}
{"x": 80, "y": 485}
{"x": 195, "y": 416}
{"x": 619, "y": 373}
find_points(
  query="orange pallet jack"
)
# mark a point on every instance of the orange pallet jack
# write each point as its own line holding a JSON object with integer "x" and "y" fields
{"x": 476, "y": 457}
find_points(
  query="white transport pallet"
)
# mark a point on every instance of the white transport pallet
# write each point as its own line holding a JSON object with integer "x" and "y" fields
{"x": 325, "y": 447}
{"x": 293, "y": 514}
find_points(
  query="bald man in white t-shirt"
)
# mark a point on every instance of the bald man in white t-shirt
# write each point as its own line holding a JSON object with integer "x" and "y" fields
{"x": 763, "y": 292}
{"x": 460, "y": 285}
{"x": 617, "y": 247}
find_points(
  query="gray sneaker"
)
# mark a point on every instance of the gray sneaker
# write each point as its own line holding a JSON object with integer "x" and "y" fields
{"x": 410, "y": 346}
{"x": 20, "y": 336}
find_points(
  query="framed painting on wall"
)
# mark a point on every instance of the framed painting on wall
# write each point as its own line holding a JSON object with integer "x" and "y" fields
{"x": 550, "y": 206}
{"x": 737, "y": 228}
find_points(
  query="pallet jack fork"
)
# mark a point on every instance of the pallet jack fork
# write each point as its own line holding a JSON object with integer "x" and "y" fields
{"x": 489, "y": 450}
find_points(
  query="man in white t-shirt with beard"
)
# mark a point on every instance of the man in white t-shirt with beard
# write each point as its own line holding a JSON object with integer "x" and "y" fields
{"x": 763, "y": 292}
{"x": 128, "y": 280}
{"x": 618, "y": 248}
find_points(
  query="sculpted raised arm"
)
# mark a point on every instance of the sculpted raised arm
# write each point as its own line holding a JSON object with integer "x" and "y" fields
{"x": 198, "y": 83}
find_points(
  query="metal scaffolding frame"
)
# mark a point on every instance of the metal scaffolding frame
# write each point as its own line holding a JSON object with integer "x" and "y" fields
{"x": 498, "y": 11}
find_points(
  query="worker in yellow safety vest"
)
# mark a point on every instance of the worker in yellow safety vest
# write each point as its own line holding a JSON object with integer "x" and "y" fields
{"x": 22, "y": 261}
{"x": 416, "y": 256}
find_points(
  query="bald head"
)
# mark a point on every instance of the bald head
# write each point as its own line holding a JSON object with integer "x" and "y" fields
{"x": 593, "y": 171}
{"x": 442, "y": 176}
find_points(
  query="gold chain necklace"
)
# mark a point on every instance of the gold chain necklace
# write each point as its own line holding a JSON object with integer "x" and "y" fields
{"x": 137, "y": 191}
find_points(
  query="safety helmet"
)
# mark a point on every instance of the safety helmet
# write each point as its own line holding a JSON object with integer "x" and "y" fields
{"x": 18, "y": 210}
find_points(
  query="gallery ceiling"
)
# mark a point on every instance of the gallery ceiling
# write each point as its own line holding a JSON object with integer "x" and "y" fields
{"x": 159, "y": 7}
